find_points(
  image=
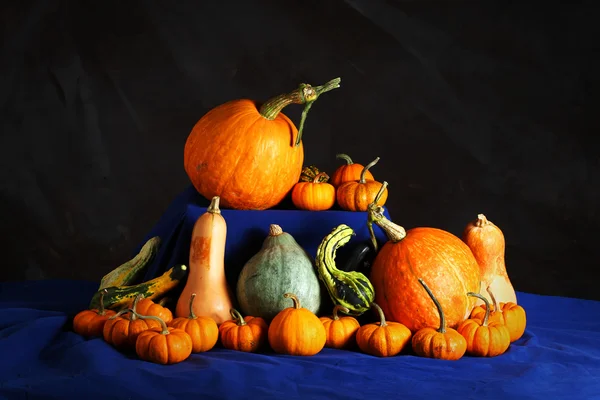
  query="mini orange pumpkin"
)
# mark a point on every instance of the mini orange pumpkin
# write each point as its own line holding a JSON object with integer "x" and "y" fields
{"x": 163, "y": 345}
{"x": 341, "y": 332}
{"x": 348, "y": 172}
{"x": 484, "y": 338}
{"x": 357, "y": 195}
{"x": 202, "y": 330}
{"x": 382, "y": 339}
{"x": 510, "y": 314}
{"x": 296, "y": 331}
{"x": 442, "y": 343}
{"x": 149, "y": 307}
{"x": 317, "y": 195}
{"x": 90, "y": 323}
{"x": 243, "y": 334}
{"x": 122, "y": 332}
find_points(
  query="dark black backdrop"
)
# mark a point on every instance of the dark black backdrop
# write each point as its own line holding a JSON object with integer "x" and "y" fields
{"x": 472, "y": 106}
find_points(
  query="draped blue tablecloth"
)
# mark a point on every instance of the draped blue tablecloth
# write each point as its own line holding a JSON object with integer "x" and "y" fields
{"x": 558, "y": 357}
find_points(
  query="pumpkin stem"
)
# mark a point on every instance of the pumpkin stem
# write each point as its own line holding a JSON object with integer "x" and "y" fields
{"x": 487, "y": 307}
{"x": 192, "y": 315}
{"x": 123, "y": 311}
{"x": 275, "y": 230}
{"x": 305, "y": 94}
{"x": 213, "y": 207}
{"x": 164, "y": 301}
{"x": 165, "y": 329}
{"x": 101, "y": 310}
{"x": 237, "y": 317}
{"x": 365, "y": 169}
{"x": 481, "y": 221}
{"x": 381, "y": 314}
{"x": 394, "y": 232}
{"x": 442, "y": 328}
{"x": 137, "y": 298}
{"x": 321, "y": 177}
{"x": 294, "y": 299}
{"x": 339, "y": 308}
{"x": 345, "y": 157}
{"x": 494, "y": 301}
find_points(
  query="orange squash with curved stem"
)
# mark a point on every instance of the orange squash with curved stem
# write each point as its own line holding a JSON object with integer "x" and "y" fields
{"x": 341, "y": 332}
{"x": 357, "y": 195}
{"x": 239, "y": 144}
{"x": 317, "y": 195}
{"x": 207, "y": 268}
{"x": 348, "y": 172}
{"x": 90, "y": 323}
{"x": 203, "y": 331}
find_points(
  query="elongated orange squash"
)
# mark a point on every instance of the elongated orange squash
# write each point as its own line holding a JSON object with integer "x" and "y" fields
{"x": 207, "y": 268}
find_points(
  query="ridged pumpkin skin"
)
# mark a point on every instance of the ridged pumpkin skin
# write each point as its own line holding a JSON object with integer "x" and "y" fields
{"x": 438, "y": 257}
{"x": 250, "y": 162}
{"x": 281, "y": 266}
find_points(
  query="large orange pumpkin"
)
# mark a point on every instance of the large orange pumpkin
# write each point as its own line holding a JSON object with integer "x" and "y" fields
{"x": 249, "y": 156}
{"x": 437, "y": 256}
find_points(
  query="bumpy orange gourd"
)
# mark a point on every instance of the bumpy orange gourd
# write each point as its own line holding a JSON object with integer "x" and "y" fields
{"x": 341, "y": 332}
{"x": 249, "y": 156}
{"x": 247, "y": 334}
{"x": 484, "y": 338}
{"x": 90, "y": 323}
{"x": 317, "y": 195}
{"x": 442, "y": 343}
{"x": 382, "y": 339}
{"x": 207, "y": 268}
{"x": 149, "y": 307}
{"x": 348, "y": 172}
{"x": 357, "y": 195}
{"x": 163, "y": 345}
{"x": 203, "y": 331}
{"x": 487, "y": 243}
{"x": 296, "y": 331}
{"x": 433, "y": 254}
{"x": 123, "y": 331}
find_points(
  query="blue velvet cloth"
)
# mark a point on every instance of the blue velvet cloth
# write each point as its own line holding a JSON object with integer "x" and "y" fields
{"x": 41, "y": 358}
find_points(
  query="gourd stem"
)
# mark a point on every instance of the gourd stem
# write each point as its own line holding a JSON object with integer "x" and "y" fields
{"x": 481, "y": 221}
{"x": 394, "y": 232}
{"x": 305, "y": 94}
{"x": 321, "y": 177}
{"x": 192, "y": 315}
{"x": 365, "y": 169}
{"x": 494, "y": 301}
{"x": 345, "y": 157}
{"x": 381, "y": 314}
{"x": 486, "y": 317}
{"x": 442, "y": 328}
{"x": 339, "y": 308}
{"x": 164, "y": 328}
{"x": 237, "y": 317}
{"x": 101, "y": 310}
{"x": 137, "y": 298}
{"x": 213, "y": 207}
{"x": 294, "y": 299}
{"x": 275, "y": 230}
{"x": 124, "y": 311}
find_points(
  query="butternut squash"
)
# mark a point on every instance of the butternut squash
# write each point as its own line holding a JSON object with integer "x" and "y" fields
{"x": 207, "y": 268}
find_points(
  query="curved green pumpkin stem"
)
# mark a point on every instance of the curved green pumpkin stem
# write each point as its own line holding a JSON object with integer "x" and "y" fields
{"x": 345, "y": 157}
{"x": 192, "y": 315}
{"x": 363, "y": 174}
{"x": 163, "y": 325}
{"x": 305, "y": 94}
{"x": 382, "y": 322}
{"x": 101, "y": 310}
{"x": 394, "y": 232}
{"x": 487, "y": 306}
{"x": 442, "y": 328}
{"x": 237, "y": 317}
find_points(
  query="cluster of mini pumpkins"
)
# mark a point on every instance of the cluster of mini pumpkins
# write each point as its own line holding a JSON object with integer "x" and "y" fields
{"x": 352, "y": 187}
{"x": 297, "y": 331}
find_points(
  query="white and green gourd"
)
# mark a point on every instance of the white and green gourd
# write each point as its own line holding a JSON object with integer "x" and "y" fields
{"x": 281, "y": 266}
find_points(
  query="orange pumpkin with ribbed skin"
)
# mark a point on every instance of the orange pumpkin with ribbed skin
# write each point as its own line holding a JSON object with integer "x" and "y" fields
{"x": 348, "y": 172}
{"x": 317, "y": 195}
{"x": 123, "y": 332}
{"x": 203, "y": 330}
{"x": 437, "y": 256}
{"x": 341, "y": 332}
{"x": 246, "y": 334}
{"x": 90, "y": 323}
{"x": 163, "y": 345}
{"x": 149, "y": 307}
{"x": 250, "y": 157}
{"x": 357, "y": 195}
{"x": 382, "y": 339}
{"x": 510, "y": 314}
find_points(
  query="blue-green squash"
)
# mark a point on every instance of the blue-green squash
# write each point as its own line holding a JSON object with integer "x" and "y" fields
{"x": 280, "y": 266}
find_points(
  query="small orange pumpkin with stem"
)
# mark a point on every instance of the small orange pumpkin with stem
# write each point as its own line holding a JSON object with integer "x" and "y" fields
{"x": 383, "y": 338}
{"x": 357, "y": 195}
{"x": 246, "y": 334}
{"x": 90, "y": 323}
{"x": 443, "y": 343}
{"x": 296, "y": 331}
{"x": 122, "y": 331}
{"x": 484, "y": 338}
{"x": 348, "y": 172}
{"x": 203, "y": 331}
{"x": 163, "y": 344}
{"x": 341, "y": 332}
{"x": 510, "y": 314}
{"x": 149, "y": 307}
{"x": 317, "y": 195}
